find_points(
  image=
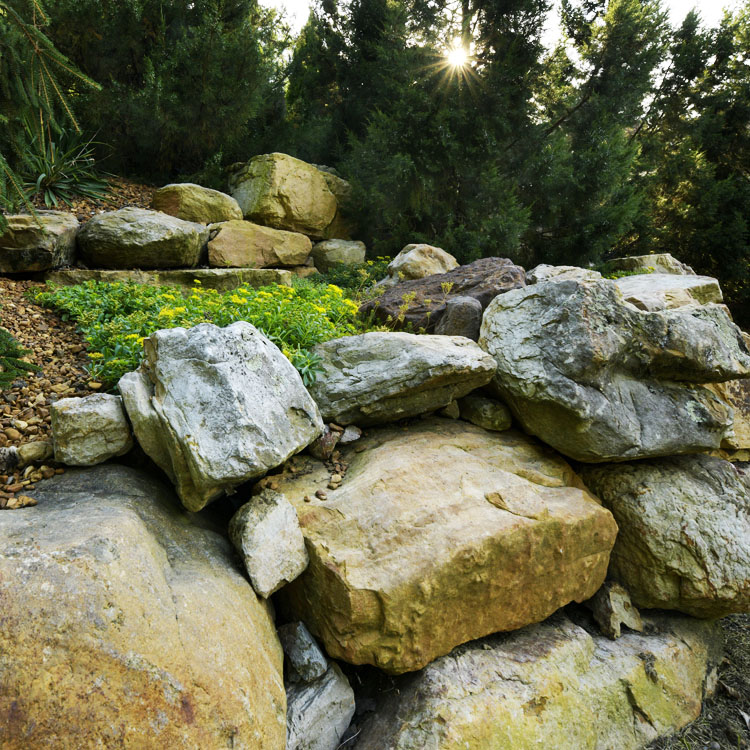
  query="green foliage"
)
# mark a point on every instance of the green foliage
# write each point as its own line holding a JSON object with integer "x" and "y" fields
{"x": 62, "y": 169}
{"x": 356, "y": 280}
{"x": 115, "y": 318}
{"x": 184, "y": 84}
{"x": 12, "y": 366}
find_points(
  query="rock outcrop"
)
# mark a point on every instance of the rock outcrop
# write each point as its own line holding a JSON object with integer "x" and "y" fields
{"x": 127, "y": 623}
{"x": 242, "y": 244}
{"x": 379, "y": 377}
{"x": 280, "y": 191}
{"x": 38, "y": 243}
{"x": 138, "y": 238}
{"x": 684, "y": 540}
{"x": 192, "y": 202}
{"x": 599, "y": 380}
{"x": 659, "y": 291}
{"x": 656, "y": 263}
{"x": 553, "y": 685}
{"x": 439, "y": 534}
{"x": 329, "y": 253}
{"x": 88, "y": 431}
{"x": 215, "y": 407}
{"x": 421, "y": 303}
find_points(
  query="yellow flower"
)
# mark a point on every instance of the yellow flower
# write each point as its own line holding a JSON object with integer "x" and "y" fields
{"x": 336, "y": 290}
{"x": 132, "y": 336}
{"x": 237, "y": 299}
{"x": 178, "y": 310}
{"x": 95, "y": 355}
{"x": 170, "y": 297}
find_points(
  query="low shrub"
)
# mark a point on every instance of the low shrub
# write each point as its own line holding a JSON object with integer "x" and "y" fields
{"x": 357, "y": 280}
{"x": 12, "y": 366}
{"x": 116, "y": 318}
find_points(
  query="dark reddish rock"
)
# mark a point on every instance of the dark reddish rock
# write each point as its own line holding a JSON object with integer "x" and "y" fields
{"x": 420, "y": 303}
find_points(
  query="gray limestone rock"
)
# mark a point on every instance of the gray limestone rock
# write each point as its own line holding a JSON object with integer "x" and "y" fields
{"x": 462, "y": 317}
{"x": 138, "y": 238}
{"x": 657, "y": 263}
{"x": 381, "y": 376}
{"x": 306, "y": 662}
{"x": 659, "y": 291}
{"x": 684, "y": 540}
{"x": 215, "y": 407}
{"x": 266, "y": 533}
{"x": 87, "y": 431}
{"x": 485, "y": 412}
{"x": 38, "y": 243}
{"x": 599, "y": 380}
{"x": 612, "y": 608}
{"x": 546, "y": 272}
{"x": 332, "y": 252}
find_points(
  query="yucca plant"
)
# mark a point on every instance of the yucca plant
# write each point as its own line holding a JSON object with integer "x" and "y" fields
{"x": 61, "y": 169}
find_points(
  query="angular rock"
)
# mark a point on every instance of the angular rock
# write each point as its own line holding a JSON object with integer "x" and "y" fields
{"x": 305, "y": 660}
{"x": 343, "y": 225}
{"x": 736, "y": 393}
{"x": 462, "y": 317}
{"x": 420, "y": 303}
{"x": 351, "y": 434}
{"x": 221, "y": 279}
{"x": 657, "y": 263}
{"x": 611, "y": 608}
{"x": 452, "y": 411}
{"x": 38, "y": 243}
{"x": 418, "y": 260}
{"x": 127, "y": 623}
{"x": 138, "y": 238}
{"x": 265, "y": 531}
{"x": 214, "y": 407}
{"x": 546, "y": 272}
{"x": 329, "y": 253}
{"x": 87, "y": 431}
{"x": 192, "y": 202}
{"x": 280, "y": 191}
{"x": 599, "y": 380}
{"x": 319, "y": 713}
{"x": 36, "y": 452}
{"x": 324, "y": 446}
{"x": 485, "y": 412}
{"x": 439, "y": 534}
{"x": 684, "y": 540}
{"x": 553, "y": 685}
{"x": 242, "y": 244}
{"x": 381, "y": 376}
{"x": 659, "y": 291}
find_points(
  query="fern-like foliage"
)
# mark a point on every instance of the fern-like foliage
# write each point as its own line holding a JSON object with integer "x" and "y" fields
{"x": 31, "y": 71}
{"x": 11, "y": 364}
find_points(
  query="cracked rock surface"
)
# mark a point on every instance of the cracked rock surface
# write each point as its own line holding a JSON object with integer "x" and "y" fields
{"x": 131, "y": 624}
{"x": 554, "y": 685}
{"x": 438, "y": 534}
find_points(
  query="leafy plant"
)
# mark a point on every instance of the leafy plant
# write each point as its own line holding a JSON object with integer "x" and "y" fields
{"x": 356, "y": 280}
{"x": 116, "y": 318}
{"x": 12, "y": 365}
{"x": 62, "y": 169}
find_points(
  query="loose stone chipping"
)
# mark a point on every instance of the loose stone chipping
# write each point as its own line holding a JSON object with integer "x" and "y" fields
{"x": 215, "y": 407}
{"x": 265, "y": 531}
{"x": 87, "y": 431}
{"x": 684, "y": 540}
{"x": 599, "y": 380}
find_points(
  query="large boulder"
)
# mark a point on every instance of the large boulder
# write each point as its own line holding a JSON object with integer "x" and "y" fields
{"x": 416, "y": 261}
{"x": 192, "y": 202}
{"x": 553, "y": 686}
{"x": 382, "y": 376}
{"x": 280, "y": 191}
{"x": 656, "y": 263}
{"x": 87, "y": 431}
{"x": 438, "y": 534}
{"x": 684, "y": 540}
{"x": 127, "y": 623}
{"x": 600, "y": 381}
{"x": 215, "y": 407}
{"x": 421, "y": 303}
{"x": 659, "y": 291}
{"x": 38, "y": 243}
{"x": 330, "y": 253}
{"x": 138, "y": 238}
{"x": 242, "y": 244}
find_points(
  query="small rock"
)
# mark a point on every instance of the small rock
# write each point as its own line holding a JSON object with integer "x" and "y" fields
{"x": 451, "y": 411}
{"x": 20, "y": 501}
{"x": 94, "y": 385}
{"x": 321, "y": 495}
{"x": 324, "y": 446}
{"x": 8, "y": 458}
{"x": 267, "y": 534}
{"x": 36, "y": 452}
{"x": 485, "y": 412}
{"x": 12, "y": 434}
{"x": 611, "y": 607}
{"x": 462, "y": 317}
{"x": 351, "y": 433}
{"x": 305, "y": 659}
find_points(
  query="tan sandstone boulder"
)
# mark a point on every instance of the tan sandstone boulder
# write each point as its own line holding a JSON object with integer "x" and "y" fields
{"x": 242, "y": 244}
{"x": 126, "y": 623}
{"x": 191, "y": 202}
{"x": 439, "y": 534}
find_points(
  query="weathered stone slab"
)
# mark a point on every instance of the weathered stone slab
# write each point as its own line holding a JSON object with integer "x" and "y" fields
{"x": 599, "y": 380}
{"x": 242, "y": 244}
{"x": 684, "y": 540}
{"x": 127, "y": 623}
{"x": 329, "y": 253}
{"x": 38, "y": 243}
{"x": 553, "y": 685}
{"x": 546, "y": 272}
{"x": 656, "y": 263}
{"x": 439, "y": 534}
{"x": 420, "y": 303}
{"x": 659, "y": 291}
{"x": 138, "y": 238}
{"x": 192, "y": 202}
{"x": 215, "y": 407}
{"x": 382, "y": 376}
